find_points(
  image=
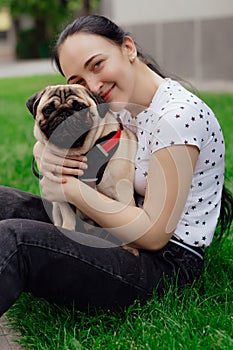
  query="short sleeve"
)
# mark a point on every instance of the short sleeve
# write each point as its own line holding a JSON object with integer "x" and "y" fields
{"x": 180, "y": 124}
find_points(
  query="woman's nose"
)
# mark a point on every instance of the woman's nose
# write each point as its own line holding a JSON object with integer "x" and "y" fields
{"x": 94, "y": 85}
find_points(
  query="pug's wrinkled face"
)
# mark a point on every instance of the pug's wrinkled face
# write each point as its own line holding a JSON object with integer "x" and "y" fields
{"x": 65, "y": 114}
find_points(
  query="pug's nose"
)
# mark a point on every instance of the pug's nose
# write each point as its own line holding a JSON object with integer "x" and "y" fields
{"x": 65, "y": 114}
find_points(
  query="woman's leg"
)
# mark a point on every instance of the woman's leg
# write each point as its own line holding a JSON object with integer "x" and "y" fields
{"x": 19, "y": 204}
{"x": 39, "y": 258}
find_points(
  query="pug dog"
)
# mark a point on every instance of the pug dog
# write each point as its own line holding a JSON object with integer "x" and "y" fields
{"x": 72, "y": 121}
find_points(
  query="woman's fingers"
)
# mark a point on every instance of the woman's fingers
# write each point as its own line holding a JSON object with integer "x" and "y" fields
{"x": 62, "y": 170}
{"x": 68, "y": 167}
{"x": 75, "y": 164}
{"x": 53, "y": 177}
{"x": 57, "y": 165}
{"x": 54, "y": 166}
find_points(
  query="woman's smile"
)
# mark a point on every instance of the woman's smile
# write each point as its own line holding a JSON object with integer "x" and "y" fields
{"x": 106, "y": 96}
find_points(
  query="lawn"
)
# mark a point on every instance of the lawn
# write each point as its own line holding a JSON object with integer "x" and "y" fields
{"x": 200, "y": 317}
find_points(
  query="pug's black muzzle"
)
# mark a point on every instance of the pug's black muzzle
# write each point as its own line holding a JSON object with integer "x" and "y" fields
{"x": 67, "y": 128}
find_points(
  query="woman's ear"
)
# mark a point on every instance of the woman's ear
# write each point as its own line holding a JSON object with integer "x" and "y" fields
{"x": 130, "y": 48}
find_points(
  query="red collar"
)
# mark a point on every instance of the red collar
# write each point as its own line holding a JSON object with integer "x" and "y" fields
{"x": 109, "y": 144}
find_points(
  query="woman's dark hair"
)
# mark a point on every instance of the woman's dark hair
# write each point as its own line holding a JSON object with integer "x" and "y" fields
{"x": 226, "y": 212}
{"x": 100, "y": 25}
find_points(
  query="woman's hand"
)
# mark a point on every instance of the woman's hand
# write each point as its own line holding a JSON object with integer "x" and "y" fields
{"x": 53, "y": 166}
{"x": 58, "y": 192}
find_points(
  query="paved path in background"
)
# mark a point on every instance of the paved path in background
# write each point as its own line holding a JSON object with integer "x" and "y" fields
{"x": 213, "y": 85}
{"x": 44, "y": 66}
{"x": 8, "y": 336}
{"x": 25, "y": 68}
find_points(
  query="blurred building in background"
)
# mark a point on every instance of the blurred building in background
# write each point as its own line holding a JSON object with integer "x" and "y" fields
{"x": 191, "y": 39}
{"x": 7, "y": 36}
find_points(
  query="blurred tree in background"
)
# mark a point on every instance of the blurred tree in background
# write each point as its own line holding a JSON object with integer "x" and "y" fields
{"x": 47, "y": 20}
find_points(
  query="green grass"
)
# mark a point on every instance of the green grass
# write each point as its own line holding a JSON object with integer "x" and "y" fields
{"x": 200, "y": 317}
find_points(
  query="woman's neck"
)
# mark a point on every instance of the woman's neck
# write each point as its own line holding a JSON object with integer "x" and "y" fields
{"x": 147, "y": 83}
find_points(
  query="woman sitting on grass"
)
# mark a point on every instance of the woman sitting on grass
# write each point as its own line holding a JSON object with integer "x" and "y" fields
{"x": 178, "y": 184}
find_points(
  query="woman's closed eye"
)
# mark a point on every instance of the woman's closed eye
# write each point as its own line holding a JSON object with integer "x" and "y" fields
{"x": 80, "y": 82}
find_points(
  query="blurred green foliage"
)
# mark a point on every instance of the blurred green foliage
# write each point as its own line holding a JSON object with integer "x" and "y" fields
{"x": 49, "y": 17}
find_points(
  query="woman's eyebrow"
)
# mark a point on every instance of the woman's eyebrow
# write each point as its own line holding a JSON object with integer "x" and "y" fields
{"x": 90, "y": 59}
{"x": 85, "y": 66}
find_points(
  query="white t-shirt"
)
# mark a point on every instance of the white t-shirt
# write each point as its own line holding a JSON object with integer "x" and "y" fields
{"x": 174, "y": 117}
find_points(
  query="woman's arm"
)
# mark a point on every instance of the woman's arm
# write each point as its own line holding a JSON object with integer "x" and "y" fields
{"x": 168, "y": 184}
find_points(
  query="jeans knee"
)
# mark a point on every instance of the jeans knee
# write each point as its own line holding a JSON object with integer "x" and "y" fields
{"x": 11, "y": 232}
{"x": 8, "y": 242}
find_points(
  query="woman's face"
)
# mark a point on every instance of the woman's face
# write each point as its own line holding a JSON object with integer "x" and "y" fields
{"x": 103, "y": 67}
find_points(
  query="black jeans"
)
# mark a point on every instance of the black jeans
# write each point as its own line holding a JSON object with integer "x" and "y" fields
{"x": 37, "y": 257}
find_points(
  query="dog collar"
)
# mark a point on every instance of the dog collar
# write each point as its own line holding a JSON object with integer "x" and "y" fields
{"x": 99, "y": 156}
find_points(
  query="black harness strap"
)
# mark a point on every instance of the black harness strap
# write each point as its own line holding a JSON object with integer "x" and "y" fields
{"x": 99, "y": 156}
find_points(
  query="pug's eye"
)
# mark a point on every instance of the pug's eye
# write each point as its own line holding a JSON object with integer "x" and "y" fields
{"x": 47, "y": 110}
{"x": 77, "y": 106}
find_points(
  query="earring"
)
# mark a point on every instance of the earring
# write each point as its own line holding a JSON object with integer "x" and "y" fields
{"x": 132, "y": 59}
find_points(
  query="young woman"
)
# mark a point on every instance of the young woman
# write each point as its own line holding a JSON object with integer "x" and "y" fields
{"x": 178, "y": 187}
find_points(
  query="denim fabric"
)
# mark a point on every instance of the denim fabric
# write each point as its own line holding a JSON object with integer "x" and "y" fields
{"x": 37, "y": 257}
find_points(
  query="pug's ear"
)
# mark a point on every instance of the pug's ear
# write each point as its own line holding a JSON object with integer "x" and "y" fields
{"x": 101, "y": 105}
{"x": 33, "y": 101}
